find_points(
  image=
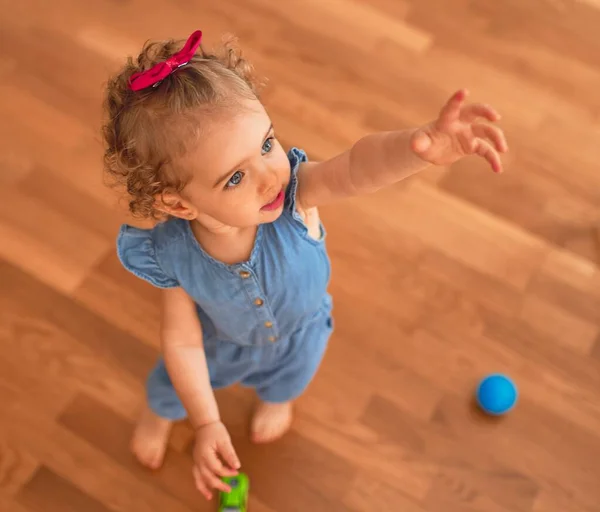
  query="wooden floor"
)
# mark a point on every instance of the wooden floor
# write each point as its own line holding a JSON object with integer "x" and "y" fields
{"x": 438, "y": 281}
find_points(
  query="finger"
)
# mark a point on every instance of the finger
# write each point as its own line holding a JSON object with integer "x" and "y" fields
{"x": 228, "y": 453}
{"x": 451, "y": 110}
{"x": 217, "y": 467}
{"x": 213, "y": 481}
{"x": 495, "y": 134}
{"x": 475, "y": 110}
{"x": 484, "y": 149}
{"x": 200, "y": 485}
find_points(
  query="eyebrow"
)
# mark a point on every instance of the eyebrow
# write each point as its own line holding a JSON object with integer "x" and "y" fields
{"x": 228, "y": 173}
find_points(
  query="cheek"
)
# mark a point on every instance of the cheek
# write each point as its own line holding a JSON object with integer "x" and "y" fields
{"x": 237, "y": 203}
{"x": 281, "y": 163}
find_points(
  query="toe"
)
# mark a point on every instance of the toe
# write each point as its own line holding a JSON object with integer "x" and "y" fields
{"x": 256, "y": 434}
{"x": 155, "y": 460}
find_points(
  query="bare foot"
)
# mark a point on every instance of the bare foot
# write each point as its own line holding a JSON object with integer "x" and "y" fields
{"x": 271, "y": 421}
{"x": 150, "y": 438}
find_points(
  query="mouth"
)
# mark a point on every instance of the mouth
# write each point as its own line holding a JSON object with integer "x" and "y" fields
{"x": 276, "y": 203}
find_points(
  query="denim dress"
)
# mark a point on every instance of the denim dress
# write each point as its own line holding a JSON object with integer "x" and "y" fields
{"x": 266, "y": 322}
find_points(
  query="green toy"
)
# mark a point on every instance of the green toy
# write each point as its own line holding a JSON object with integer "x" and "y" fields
{"x": 237, "y": 499}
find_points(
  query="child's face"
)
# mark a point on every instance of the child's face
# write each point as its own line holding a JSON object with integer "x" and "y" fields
{"x": 239, "y": 170}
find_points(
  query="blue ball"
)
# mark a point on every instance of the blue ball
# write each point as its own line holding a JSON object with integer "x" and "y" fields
{"x": 496, "y": 394}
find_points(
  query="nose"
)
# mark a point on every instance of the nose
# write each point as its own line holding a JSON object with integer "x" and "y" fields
{"x": 269, "y": 182}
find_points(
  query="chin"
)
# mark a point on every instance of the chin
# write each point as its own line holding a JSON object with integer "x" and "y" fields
{"x": 270, "y": 216}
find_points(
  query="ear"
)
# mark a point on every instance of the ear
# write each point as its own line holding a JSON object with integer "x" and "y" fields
{"x": 173, "y": 204}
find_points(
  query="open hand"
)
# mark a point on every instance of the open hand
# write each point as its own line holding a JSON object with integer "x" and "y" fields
{"x": 459, "y": 132}
{"x": 213, "y": 453}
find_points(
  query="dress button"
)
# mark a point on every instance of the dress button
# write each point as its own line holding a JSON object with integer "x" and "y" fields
{"x": 244, "y": 274}
{"x": 258, "y": 302}
{"x": 272, "y": 339}
{"x": 268, "y": 324}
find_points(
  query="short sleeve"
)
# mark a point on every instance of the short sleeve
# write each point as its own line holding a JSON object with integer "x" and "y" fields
{"x": 296, "y": 157}
{"x": 135, "y": 249}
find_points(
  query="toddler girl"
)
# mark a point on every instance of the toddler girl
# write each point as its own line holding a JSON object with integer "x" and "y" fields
{"x": 238, "y": 247}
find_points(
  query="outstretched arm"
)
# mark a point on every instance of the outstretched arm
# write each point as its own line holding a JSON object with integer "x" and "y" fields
{"x": 384, "y": 158}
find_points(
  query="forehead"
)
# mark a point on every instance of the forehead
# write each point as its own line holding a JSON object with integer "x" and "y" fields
{"x": 225, "y": 139}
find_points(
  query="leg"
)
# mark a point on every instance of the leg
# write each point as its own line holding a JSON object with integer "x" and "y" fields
{"x": 152, "y": 431}
{"x": 294, "y": 367}
{"x": 271, "y": 421}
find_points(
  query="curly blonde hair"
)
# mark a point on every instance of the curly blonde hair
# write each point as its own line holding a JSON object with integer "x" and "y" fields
{"x": 142, "y": 131}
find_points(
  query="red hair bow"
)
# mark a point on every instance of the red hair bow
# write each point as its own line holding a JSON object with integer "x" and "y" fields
{"x": 157, "y": 73}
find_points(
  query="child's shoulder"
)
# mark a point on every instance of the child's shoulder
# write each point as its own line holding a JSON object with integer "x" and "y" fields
{"x": 296, "y": 156}
{"x": 307, "y": 220}
{"x": 141, "y": 250}
{"x": 151, "y": 238}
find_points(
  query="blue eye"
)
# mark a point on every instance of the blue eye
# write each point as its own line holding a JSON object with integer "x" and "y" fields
{"x": 235, "y": 179}
{"x": 268, "y": 145}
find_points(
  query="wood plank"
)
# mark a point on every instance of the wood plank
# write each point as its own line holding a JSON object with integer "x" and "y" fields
{"x": 96, "y": 424}
{"x": 49, "y": 189}
{"x": 494, "y": 294}
{"x": 122, "y": 299}
{"x": 85, "y": 467}
{"x": 105, "y": 340}
{"x": 559, "y": 499}
{"x": 560, "y": 325}
{"x": 350, "y": 363}
{"x": 60, "y": 256}
{"x": 538, "y": 202}
{"x": 63, "y": 342}
{"x": 49, "y": 492}
{"x": 317, "y": 476}
{"x": 472, "y": 473}
{"x": 532, "y": 445}
{"x": 10, "y": 505}
{"x": 369, "y": 492}
{"x": 568, "y": 295}
{"x": 17, "y": 466}
{"x": 363, "y": 448}
{"x": 487, "y": 244}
